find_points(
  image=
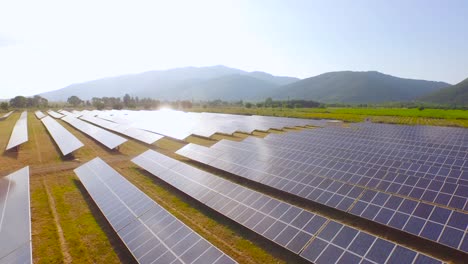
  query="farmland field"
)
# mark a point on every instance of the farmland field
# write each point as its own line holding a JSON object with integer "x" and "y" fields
{"x": 406, "y": 116}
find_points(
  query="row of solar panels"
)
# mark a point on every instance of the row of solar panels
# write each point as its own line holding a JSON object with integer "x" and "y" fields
{"x": 66, "y": 141}
{"x": 313, "y": 237}
{"x": 135, "y": 123}
{"x": 15, "y": 218}
{"x": 19, "y": 135}
{"x": 429, "y": 207}
{"x": 432, "y": 134}
{"x": 94, "y": 127}
{"x": 179, "y": 125}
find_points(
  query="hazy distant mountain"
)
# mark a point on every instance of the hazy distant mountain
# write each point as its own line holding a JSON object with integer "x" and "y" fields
{"x": 357, "y": 87}
{"x": 453, "y": 95}
{"x": 230, "y": 88}
{"x": 279, "y": 80}
{"x": 220, "y": 82}
{"x": 180, "y": 83}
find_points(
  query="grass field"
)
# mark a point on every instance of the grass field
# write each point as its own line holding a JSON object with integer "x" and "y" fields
{"x": 67, "y": 227}
{"x": 413, "y": 116}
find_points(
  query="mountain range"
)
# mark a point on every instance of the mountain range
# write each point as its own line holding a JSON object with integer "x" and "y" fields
{"x": 358, "y": 87}
{"x": 456, "y": 95}
{"x": 220, "y": 82}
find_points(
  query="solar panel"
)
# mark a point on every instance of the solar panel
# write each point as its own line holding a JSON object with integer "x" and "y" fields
{"x": 55, "y": 114}
{"x": 67, "y": 113}
{"x": 39, "y": 114}
{"x": 5, "y": 116}
{"x": 151, "y": 233}
{"x": 65, "y": 140}
{"x": 297, "y": 230}
{"x": 108, "y": 139}
{"x": 201, "y": 124}
{"x": 15, "y": 218}
{"x": 76, "y": 113}
{"x": 334, "y": 191}
{"x": 135, "y": 133}
{"x": 20, "y": 132}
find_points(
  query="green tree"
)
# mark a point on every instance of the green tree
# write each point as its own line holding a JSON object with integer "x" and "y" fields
{"x": 19, "y": 102}
{"x": 127, "y": 100}
{"x": 39, "y": 101}
{"x": 248, "y": 105}
{"x": 4, "y": 106}
{"x": 98, "y": 103}
{"x": 74, "y": 100}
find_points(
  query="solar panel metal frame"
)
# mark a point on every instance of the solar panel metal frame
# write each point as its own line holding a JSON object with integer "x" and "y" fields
{"x": 146, "y": 228}
{"x": 65, "y": 140}
{"x": 15, "y": 218}
{"x": 19, "y": 135}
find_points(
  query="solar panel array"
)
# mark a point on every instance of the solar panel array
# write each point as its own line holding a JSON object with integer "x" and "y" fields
{"x": 39, "y": 114}
{"x": 311, "y": 236}
{"x": 108, "y": 139}
{"x": 20, "y": 132}
{"x": 364, "y": 171}
{"x": 151, "y": 233}
{"x": 15, "y": 218}
{"x": 201, "y": 124}
{"x": 65, "y": 140}
{"x": 55, "y": 114}
{"x": 135, "y": 133}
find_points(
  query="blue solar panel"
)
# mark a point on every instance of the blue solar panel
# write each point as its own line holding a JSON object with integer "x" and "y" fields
{"x": 151, "y": 233}
{"x": 349, "y": 195}
{"x": 311, "y": 236}
{"x": 65, "y": 140}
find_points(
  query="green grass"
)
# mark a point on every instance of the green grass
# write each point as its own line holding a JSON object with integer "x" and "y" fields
{"x": 404, "y": 112}
{"x": 86, "y": 241}
{"x": 413, "y": 116}
{"x": 45, "y": 240}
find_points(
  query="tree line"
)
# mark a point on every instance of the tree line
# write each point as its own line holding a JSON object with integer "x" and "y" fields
{"x": 25, "y": 102}
{"x": 126, "y": 101}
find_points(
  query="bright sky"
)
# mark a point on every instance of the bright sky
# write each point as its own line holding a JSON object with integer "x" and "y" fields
{"x": 46, "y": 45}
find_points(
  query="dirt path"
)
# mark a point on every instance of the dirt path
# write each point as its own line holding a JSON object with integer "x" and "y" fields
{"x": 63, "y": 245}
